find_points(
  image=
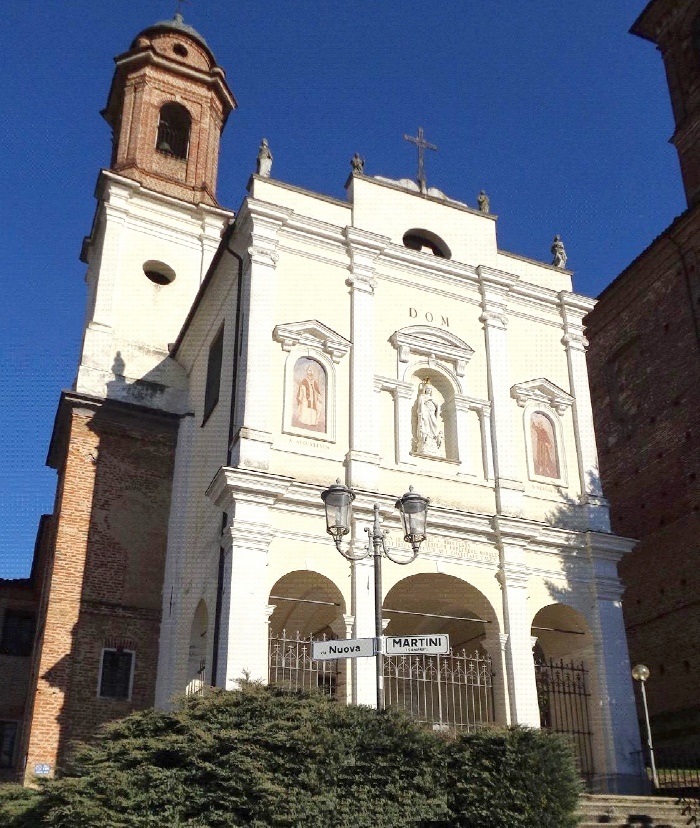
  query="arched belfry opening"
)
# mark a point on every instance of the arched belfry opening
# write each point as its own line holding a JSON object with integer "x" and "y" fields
{"x": 174, "y": 124}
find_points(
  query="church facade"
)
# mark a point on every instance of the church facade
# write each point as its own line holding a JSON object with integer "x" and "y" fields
{"x": 235, "y": 365}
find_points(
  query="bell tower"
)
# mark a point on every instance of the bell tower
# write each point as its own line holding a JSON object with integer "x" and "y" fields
{"x": 674, "y": 26}
{"x": 158, "y": 222}
{"x": 168, "y": 104}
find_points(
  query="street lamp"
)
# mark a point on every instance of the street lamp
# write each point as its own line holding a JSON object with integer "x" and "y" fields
{"x": 413, "y": 508}
{"x": 640, "y": 673}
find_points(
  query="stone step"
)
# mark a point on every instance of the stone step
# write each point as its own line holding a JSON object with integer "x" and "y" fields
{"x": 626, "y": 811}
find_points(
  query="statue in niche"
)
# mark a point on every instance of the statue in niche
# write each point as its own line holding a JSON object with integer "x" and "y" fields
{"x": 358, "y": 164}
{"x": 264, "y": 159}
{"x": 558, "y": 252}
{"x": 309, "y": 395}
{"x": 544, "y": 450}
{"x": 484, "y": 203}
{"x": 430, "y": 434}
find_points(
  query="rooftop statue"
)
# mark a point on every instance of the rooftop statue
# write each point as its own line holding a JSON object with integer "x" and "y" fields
{"x": 484, "y": 203}
{"x": 264, "y": 159}
{"x": 558, "y": 252}
{"x": 357, "y": 163}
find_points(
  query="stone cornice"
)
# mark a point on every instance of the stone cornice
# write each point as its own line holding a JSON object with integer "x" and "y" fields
{"x": 230, "y": 485}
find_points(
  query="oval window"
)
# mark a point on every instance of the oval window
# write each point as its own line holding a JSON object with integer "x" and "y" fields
{"x": 158, "y": 272}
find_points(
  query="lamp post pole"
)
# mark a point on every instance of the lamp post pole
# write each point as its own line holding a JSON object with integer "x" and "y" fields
{"x": 640, "y": 673}
{"x": 413, "y": 508}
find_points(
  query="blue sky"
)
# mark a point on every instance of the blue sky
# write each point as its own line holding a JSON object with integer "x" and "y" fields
{"x": 551, "y": 107}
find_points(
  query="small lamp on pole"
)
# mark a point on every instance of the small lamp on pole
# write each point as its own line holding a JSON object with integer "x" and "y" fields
{"x": 640, "y": 673}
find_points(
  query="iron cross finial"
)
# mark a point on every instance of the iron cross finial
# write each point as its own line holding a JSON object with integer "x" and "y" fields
{"x": 180, "y": 3}
{"x": 422, "y": 145}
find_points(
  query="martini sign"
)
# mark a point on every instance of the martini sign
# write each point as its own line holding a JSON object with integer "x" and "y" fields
{"x": 417, "y": 644}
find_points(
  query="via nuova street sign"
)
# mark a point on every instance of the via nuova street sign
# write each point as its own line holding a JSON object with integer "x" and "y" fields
{"x": 343, "y": 648}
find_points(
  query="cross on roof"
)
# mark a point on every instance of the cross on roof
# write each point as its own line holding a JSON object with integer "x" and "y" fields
{"x": 422, "y": 145}
{"x": 180, "y": 3}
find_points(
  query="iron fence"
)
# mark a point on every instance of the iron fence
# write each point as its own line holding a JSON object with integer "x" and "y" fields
{"x": 563, "y": 696}
{"x": 677, "y": 769}
{"x": 290, "y": 665}
{"x": 198, "y": 684}
{"x": 453, "y": 691}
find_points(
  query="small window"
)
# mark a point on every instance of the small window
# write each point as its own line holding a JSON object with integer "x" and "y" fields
{"x": 116, "y": 674}
{"x": 17, "y": 633}
{"x": 174, "y": 131}
{"x": 211, "y": 393}
{"x": 158, "y": 272}
{"x": 8, "y": 739}
{"x": 180, "y": 50}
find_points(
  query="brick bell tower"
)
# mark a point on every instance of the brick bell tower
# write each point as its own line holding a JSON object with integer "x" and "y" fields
{"x": 156, "y": 228}
{"x": 168, "y": 104}
{"x": 674, "y": 26}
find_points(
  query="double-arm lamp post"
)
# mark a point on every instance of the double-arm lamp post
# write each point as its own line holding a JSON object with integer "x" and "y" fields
{"x": 413, "y": 508}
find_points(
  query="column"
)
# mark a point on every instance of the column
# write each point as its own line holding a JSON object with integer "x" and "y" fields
{"x": 363, "y": 458}
{"x": 462, "y": 409}
{"x": 253, "y": 437}
{"x": 513, "y": 576}
{"x": 173, "y": 587}
{"x": 509, "y": 488}
{"x": 616, "y": 730}
{"x": 572, "y": 309}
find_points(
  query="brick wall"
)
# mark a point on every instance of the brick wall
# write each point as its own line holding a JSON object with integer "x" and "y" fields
{"x": 645, "y": 383}
{"x": 115, "y": 472}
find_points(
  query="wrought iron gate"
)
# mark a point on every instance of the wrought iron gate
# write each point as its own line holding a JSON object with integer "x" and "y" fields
{"x": 452, "y": 691}
{"x": 563, "y": 696}
{"x": 290, "y": 665}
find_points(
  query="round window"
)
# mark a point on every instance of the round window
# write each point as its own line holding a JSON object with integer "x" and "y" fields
{"x": 158, "y": 272}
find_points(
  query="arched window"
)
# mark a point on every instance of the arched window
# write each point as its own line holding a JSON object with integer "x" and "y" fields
{"x": 426, "y": 242}
{"x": 545, "y": 457}
{"x": 174, "y": 131}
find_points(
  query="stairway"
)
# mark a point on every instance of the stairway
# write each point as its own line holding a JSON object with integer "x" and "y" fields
{"x": 638, "y": 811}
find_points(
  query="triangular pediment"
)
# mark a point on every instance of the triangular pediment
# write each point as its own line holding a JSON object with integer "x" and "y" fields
{"x": 542, "y": 391}
{"x": 313, "y": 334}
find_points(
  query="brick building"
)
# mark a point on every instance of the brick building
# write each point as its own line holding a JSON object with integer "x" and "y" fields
{"x": 645, "y": 382}
{"x": 232, "y": 367}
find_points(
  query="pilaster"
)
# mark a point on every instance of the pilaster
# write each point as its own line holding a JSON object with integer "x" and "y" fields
{"x": 494, "y": 288}
{"x": 173, "y": 587}
{"x": 572, "y": 309}
{"x": 513, "y": 576}
{"x": 496, "y": 645}
{"x": 615, "y": 726}
{"x": 364, "y": 690}
{"x": 364, "y": 249}
{"x": 253, "y": 438}
{"x": 247, "y": 497}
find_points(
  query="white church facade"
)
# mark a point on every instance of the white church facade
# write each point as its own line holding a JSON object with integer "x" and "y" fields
{"x": 258, "y": 356}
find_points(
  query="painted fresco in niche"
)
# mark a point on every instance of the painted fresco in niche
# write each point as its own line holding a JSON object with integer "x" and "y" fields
{"x": 310, "y": 384}
{"x": 544, "y": 446}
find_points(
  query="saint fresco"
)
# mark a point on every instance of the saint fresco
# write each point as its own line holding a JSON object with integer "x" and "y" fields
{"x": 309, "y": 395}
{"x": 544, "y": 448}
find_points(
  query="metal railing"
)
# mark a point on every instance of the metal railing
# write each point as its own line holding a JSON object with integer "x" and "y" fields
{"x": 563, "y": 697}
{"x": 290, "y": 665}
{"x": 197, "y": 686}
{"x": 453, "y": 691}
{"x": 677, "y": 769}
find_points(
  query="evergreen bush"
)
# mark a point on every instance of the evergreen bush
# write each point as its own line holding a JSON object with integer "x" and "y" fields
{"x": 262, "y": 757}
